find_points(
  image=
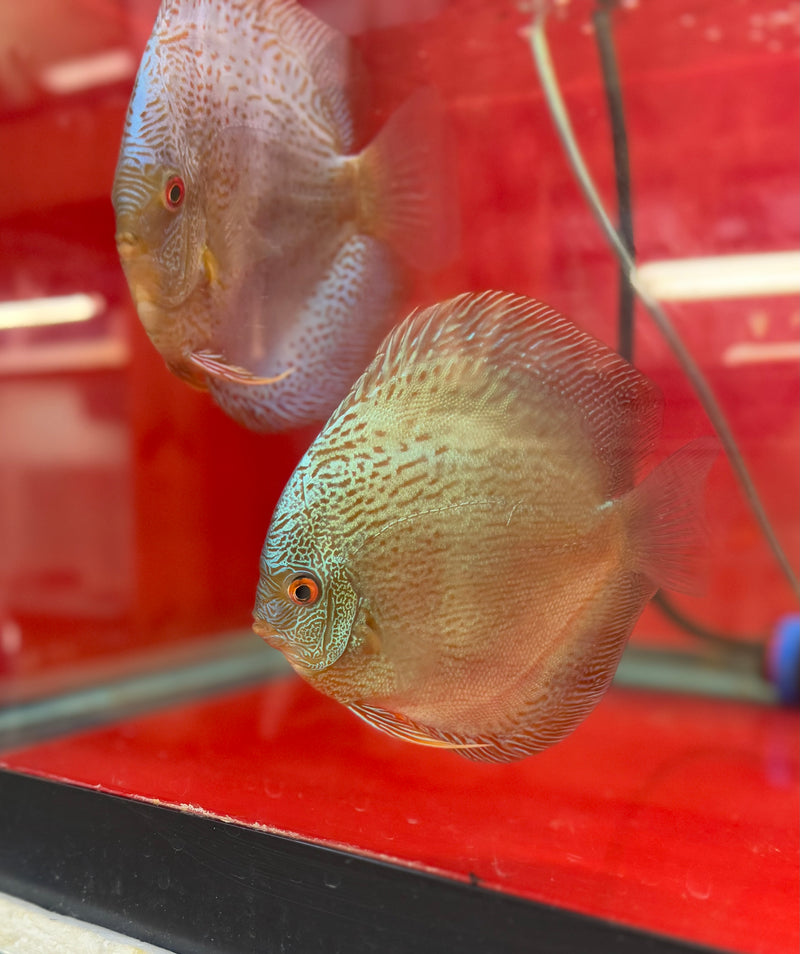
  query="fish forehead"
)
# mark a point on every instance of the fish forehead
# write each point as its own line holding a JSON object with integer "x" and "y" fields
{"x": 148, "y": 138}
{"x": 291, "y": 540}
{"x": 153, "y": 140}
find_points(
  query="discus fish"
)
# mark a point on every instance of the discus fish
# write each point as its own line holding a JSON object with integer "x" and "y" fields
{"x": 263, "y": 255}
{"x": 462, "y": 554}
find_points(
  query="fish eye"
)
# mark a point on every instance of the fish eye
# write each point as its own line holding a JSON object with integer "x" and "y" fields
{"x": 174, "y": 193}
{"x": 304, "y": 590}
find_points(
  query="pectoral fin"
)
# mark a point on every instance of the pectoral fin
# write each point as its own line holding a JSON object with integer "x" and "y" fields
{"x": 210, "y": 266}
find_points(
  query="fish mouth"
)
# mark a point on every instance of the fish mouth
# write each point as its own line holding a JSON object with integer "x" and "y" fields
{"x": 265, "y": 630}
{"x": 276, "y": 640}
{"x": 273, "y": 638}
{"x": 137, "y": 270}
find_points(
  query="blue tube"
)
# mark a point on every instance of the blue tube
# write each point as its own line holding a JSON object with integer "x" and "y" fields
{"x": 783, "y": 659}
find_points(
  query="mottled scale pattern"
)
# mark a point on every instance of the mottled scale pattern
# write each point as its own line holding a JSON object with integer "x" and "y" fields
{"x": 340, "y": 317}
{"x": 253, "y": 63}
{"x": 472, "y": 504}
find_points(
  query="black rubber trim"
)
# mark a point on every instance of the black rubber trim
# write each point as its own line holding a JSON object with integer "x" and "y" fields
{"x": 194, "y": 885}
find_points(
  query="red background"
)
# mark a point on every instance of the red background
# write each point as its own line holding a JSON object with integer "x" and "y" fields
{"x": 157, "y": 542}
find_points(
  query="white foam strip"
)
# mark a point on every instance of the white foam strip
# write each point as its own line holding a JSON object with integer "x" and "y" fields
{"x": 722, "y": 276}
{"x": 767, "y": 352}
{"x": 58, "y": 310}
{"x": 71, "y": 76}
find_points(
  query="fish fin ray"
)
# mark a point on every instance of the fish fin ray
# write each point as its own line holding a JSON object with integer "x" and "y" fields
{"x": 515, "y": 341}
{"x": 487, "y": 749}
{"x": 666, "y": 525}
{"x": 567, "y": 692}
{"x": 217, "y": 367}
{"x": 407, "y": 730}
{"x": 326, "y": 52}
{"x": 405, "y": 195}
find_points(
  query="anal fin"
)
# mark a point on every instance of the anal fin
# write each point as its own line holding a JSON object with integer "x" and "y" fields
{"x": 409, "y": 731}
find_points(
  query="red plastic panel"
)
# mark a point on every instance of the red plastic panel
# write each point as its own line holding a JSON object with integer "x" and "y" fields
{"x": 674, "y": 814}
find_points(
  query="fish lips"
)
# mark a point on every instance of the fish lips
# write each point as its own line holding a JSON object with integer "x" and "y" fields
{"x": 128, "y": 247}
{"x": 305, "y": 660}
{"x": 273, "y": 638}
{"x": 267, "y": 631}
{"x": 138, "y": 270}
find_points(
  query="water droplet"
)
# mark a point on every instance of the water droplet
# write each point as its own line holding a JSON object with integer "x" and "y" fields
{"x": 10, "y": 637}
{"x": 698, "y": 888}
{"x": 273, "y": 789}
{"x": 758, "y": 322}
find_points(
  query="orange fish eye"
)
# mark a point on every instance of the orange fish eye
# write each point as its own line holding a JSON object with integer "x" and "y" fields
{"x": 304, "y": 590}
{"x": 174, "y": 193}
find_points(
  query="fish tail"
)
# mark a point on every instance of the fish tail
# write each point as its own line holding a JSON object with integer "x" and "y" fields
{"x": 406, "y": 194}
{"x": 666, "y": 518}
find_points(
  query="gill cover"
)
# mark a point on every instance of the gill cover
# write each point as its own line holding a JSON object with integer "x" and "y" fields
{"x": 335, "y": 613}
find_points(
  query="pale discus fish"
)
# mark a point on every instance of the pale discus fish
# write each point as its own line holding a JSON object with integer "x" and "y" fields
{"x": 263, "y": 254}
{"x": 461, "y": 555}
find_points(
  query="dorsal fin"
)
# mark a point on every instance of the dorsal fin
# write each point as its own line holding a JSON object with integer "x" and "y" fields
{"x": 527, "y": 344}
{"x": 325, "y": 50}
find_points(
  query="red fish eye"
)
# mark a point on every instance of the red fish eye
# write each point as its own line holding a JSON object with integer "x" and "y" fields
{"x": 174, "y": 192}
{"x": 304, "y": 590}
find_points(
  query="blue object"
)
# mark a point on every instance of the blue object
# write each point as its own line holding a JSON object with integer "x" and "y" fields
{"x": 783, "y": 659}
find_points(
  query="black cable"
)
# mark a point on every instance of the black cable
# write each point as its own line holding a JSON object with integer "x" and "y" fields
{"x": 622, "y": 170}
{"x": 625, "y": 335}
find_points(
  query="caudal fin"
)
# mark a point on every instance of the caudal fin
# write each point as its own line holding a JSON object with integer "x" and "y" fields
{"x": 407, "y": 194}
{"x": 667, "y": 522}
